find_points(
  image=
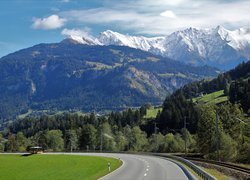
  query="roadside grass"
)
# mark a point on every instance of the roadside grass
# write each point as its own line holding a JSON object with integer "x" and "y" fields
{"x": 212, "y": 98}
{"x": 152, "y": 113}
{"x": 42, "y": 167}
{"x": 242, "y": 165}
{"x": 218, "y": 175}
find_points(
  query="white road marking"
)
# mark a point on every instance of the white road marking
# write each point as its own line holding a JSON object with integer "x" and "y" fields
{"x": 146, "y": 169}
{"x": 145, "y": 174}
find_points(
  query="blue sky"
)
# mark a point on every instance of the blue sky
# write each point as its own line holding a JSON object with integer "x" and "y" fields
{"x": 28, "y": 22}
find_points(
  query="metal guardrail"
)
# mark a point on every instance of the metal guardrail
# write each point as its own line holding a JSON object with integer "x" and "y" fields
{"x": 203, "y": 174}
{"x": 223, "y": 164}
{"x": 184, "y": 169}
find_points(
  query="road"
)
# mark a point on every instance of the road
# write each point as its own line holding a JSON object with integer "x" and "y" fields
{"x": 143, "y": 167}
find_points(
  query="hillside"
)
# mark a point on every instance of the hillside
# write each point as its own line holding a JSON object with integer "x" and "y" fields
{"x": 197, "y": 123}
{"x": 222, "y": 82}
{"x": 232, "y": 87}
{"x": 73, "y": 77}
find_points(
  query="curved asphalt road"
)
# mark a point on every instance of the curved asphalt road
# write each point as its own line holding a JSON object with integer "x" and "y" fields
{"x": 142, "y": 167}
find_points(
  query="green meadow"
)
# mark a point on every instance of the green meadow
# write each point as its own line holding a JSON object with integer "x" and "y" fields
{"x": 212, "y": 98}
{"x": 152, "y": 113}
{"x": 40, "y": 167}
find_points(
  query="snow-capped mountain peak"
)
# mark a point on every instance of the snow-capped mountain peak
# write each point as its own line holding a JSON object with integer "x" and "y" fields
{"x": 222, "y": 32}
{"x": 139, "y": 42}
{"x": 81, "y": 37}
{"x": 215, "y": 46}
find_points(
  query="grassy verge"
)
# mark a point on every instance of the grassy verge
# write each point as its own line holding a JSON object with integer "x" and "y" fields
{"x": 55, "y": 167}
{"x": 218, "y": 175}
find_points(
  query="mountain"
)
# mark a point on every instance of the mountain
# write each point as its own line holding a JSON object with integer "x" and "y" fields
{"x": 216, "y": 47}
{"x": 73, "y": 76}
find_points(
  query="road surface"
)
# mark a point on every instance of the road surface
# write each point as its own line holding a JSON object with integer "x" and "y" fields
{"x": 142, "y": 167}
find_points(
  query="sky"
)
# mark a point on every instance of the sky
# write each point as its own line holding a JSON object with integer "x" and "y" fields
{"x": 25, "y": 23}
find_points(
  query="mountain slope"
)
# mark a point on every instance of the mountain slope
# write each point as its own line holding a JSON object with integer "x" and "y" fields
{"x": 233, "y": 86}
{"x": 66, "y": 76}
{"x": 217, "y": 47}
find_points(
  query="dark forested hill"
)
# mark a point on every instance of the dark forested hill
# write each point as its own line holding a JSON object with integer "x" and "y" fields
{"x": 66, "y": 76}
{"x": 222, "y": 82}
{"x": 234, "y": 86}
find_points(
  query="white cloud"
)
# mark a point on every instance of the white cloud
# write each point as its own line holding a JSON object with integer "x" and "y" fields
{"x": 76, "y": 32}
{"x": 149, "y": 16}
{"x": 168, "y": 14}
{"x": 161, "y": 3}
{"x": 50, "y": 22}
{"x": 65, "y": 1}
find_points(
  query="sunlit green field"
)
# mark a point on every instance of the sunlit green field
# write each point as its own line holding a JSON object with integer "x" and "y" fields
{"x": 54, "y": 167}
{"x": 213, "y": 98}
{"x": 152, "y": 113}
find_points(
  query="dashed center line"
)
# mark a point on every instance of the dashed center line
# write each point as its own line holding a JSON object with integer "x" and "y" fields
{"x": 145, "y": 174}
{"x": 146, "y": 169}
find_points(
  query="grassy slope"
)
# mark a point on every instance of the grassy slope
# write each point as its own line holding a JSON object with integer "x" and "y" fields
{"x": 152, "y": 112}
{"x": 218, "y": 175}
{"x": 55, "y": 167}
{"x": 213, "y": 98}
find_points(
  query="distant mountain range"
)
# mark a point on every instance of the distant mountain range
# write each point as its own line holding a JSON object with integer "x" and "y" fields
{"x": 76, "y": 76}
{"x": 217, "y": 47}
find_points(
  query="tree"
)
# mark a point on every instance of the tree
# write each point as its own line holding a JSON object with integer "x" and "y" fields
{"x": 108, "y": 137}
{"x": 39, "y": 139}
{"x": 168, "y": 143}
{"x": 71, "y": 140}
{"x": 207, "y": 135}
{"x": 54, "y": 140}
{"x": 243, "y": 155}
{"x": 175, "y": 109}
{"x": 228, "y": 148}
{"x": 190, "y": 141}
{"x": 88, "y": 139}
{"x": 1, "y": 143}
{"x": 178, "y": 144}
{"x": 156, "y": 142}
{"x": 11, "y": 144}
{"x": 121, "y": 141}
{"x": 22, "y": 142}
{"x": 226, "y": 88}
{"x": 229, "y": 114}
{"x": 128, "y": 135}
{"x": 138, "y": 140}
{"x": 173, "y": 143}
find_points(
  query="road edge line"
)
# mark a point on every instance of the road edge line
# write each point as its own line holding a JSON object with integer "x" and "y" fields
{"x": 114, "y": 170}
{"x": 189, "y": 174}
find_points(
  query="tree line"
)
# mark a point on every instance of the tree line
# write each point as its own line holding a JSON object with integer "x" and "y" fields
{"x": 119, "y": 131}
{"x": 130, "y": 131}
